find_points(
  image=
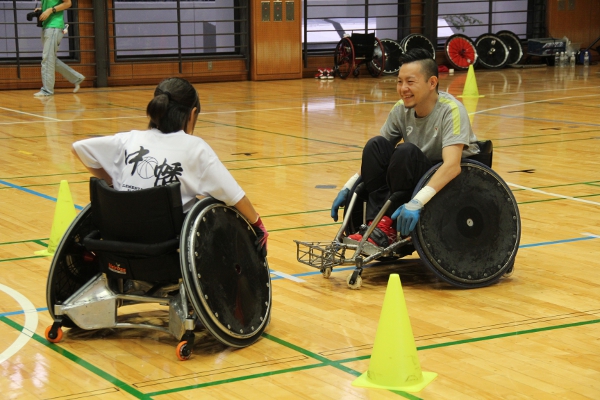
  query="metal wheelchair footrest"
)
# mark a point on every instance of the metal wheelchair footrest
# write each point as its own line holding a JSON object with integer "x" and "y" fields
{"x": 321, "y": 255}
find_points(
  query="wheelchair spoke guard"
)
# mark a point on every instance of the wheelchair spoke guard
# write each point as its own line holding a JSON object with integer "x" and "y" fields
{"x": 72, "y": 266}
{"x": 469, "y": 232}
{"x": 228, "y": 282}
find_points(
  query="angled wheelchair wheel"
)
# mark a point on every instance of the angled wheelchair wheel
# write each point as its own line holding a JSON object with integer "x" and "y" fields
{"x": 228, "y": 283}
{"x": 491, "y": 51}
{"x": 512, "y": 42}
{"x": 72, "y": 265}
{"x": 468, "y": 234}
{"x": 393, "y": 51}
{"x": 416, "y": 40}
{"x": 460, "y": 51}
{"x": 377, "y": 63}
{"x": 343, "y": 58}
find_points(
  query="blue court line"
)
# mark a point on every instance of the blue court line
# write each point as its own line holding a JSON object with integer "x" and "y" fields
{"x": 42, "y": 195}
{"x": 538, "y": 119}
{"x": 274, "y": 278}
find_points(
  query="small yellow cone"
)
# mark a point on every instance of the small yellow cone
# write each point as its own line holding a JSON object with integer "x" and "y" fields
{"x": 64, "y": 214}
{"x": 470, "y": 89}
{"x": 394, "y": 364}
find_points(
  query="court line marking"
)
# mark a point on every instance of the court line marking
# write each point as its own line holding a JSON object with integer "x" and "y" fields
{"x": 45, "y": 196}
{"x": 29, "y": 114}
{"x": 31, "y": 322}
{"x": 286, "y": 276}
{"x": 554, "y": 194}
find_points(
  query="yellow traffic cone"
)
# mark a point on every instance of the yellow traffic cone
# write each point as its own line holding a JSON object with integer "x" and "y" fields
{"x": 394, "y": 364}
{"x": 470, "y": 89}
{"x": 64, "y": 214}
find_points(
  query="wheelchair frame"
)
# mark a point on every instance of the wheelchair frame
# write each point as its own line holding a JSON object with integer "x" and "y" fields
{"x": 327, "y": 255}
{"x": 78, "y": 294}
{"x": 353, "y": 51}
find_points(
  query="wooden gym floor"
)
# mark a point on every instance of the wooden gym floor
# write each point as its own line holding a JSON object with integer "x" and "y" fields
{"x": 292, "y": 145}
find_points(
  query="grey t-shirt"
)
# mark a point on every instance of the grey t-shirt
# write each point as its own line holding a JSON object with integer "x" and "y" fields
{"x": 446, "y": 125}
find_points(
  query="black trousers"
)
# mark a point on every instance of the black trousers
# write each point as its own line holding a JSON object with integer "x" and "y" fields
{"x": 387, "y": 169}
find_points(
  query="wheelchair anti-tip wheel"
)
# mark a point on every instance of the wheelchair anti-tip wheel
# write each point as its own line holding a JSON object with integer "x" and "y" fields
{"x": 343, "y": 58}
{"x": 491, "y": 51}
{"x": 460, "y": 51}
{"x": 468, "y": 233}
{"x": 228, "y": 282}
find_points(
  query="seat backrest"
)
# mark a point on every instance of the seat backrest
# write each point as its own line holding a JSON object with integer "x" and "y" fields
{"x": 364, "y": 44}
{"x": 486, "y": 152}
{"x": 144, "y": 216}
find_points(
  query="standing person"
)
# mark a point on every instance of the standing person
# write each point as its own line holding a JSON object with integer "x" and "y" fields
{"x": 53, "y": 24}
{"x": 432, "y": 126}
{"x": 168, "y": 152}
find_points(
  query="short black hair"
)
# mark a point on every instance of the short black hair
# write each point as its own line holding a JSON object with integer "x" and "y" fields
{"x": 169, "y": 110}
{"x": 424, "y": 57}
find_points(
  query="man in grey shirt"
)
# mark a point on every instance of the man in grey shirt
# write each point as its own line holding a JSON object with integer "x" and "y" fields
{"x": 423, "y": 128}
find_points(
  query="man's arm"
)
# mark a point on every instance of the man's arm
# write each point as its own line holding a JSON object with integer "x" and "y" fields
{"x": 450, "y": 168}
{"x": 61, "y": 7}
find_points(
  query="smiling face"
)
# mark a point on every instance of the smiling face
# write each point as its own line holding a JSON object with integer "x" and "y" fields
{"x": 416, "y": 89}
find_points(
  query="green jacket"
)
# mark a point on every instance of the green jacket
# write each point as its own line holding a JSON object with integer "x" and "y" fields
{"x": 55, "y": 20}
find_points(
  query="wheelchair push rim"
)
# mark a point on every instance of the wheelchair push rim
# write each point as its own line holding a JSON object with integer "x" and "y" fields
{"x": 416, "y": 41}
{"x": 228, "y": 284}
{"x": 513, "y": 43}
{"x": 393, "y": 51}
{"x": 491, "y": 51}
{"x": 469, "y": 233}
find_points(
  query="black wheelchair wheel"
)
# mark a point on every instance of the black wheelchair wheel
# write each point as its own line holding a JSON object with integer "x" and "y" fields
{"x": 377, "y": 63}
{"x": 343, "y": 58}
{"x": 72, "y": 265}
{"x": 491, "y": 51}
{"x": 416, "y": 40}
{"x": 393, "y": 51}
{"x": 468, "y": 233}
{"x": 512, "y": 42}
{"x": 228, "y": 283}
{"x": 460, "y": 51}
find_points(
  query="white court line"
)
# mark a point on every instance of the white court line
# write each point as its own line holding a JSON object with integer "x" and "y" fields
{"x": 30, "y": 114}
{"x": 533, "y": 102}
{"x": 554, "y": 194}
{"x": 31, "y": 323}
{"x": 287, "y": 276}
{"x": 591, "y": 235}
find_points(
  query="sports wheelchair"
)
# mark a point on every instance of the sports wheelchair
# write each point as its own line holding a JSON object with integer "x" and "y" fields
{"x": 353, "y": 51}
{"x": 468, "y": 233}
{"x": 131, "y": 248}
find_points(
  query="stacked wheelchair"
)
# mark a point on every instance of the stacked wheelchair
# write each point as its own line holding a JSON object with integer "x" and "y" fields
{"x": 131, "y": 248}
{"x": 468, "y": 234}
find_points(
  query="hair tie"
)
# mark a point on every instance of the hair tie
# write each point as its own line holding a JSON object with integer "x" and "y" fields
{"x": 168, "y": 95}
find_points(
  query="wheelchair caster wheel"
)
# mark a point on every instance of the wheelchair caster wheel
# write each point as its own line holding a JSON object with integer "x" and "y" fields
{"x": 356, "y": 72}
{"x": 326, "y": 272}
{"x": 184, "y": 351}
{"x": 357, "y": 281}
{"x": 53, "y": 336}
{"x": 509, "y": 271}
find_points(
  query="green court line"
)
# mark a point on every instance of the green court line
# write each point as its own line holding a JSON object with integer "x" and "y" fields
{"x": 78, "y": 360}
{"x": 295, "y": 164}
{"x": 27, "y": 241}
{"x": 538, "y": 143}
{"x": 21, "y": 258}
{"x": 295, "y": 213}
{"x": 543, "y": 135}
{"x": 303, "y": 227}
{"x": 41, "y": 176}
{"x": 300, "y": 155}
{"x": 45, "y": 184}
{"x": 281, "y": 134}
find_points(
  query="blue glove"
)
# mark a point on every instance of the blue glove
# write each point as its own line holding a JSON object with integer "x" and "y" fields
{"x": 407, "y": 216}
{"x": 338, "y": 202}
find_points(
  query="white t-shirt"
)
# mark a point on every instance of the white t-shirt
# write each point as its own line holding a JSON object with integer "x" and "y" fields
{"x": 142, "y": 159}
{"x": 447, "y": 124}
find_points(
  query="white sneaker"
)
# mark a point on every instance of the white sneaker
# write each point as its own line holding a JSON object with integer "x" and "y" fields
{"x": 41, "y": 94}
{"x": 77, "y": 85}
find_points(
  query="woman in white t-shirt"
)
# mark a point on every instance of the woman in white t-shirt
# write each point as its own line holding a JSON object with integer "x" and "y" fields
{"x": 168, "y": 152}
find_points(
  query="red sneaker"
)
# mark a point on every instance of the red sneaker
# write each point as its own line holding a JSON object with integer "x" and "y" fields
{"x": 383, "y": 235}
